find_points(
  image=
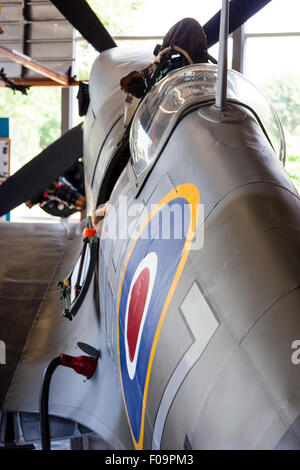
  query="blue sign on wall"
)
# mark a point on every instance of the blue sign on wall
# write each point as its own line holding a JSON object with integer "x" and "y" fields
{"x": 4, "y": 127}
{"x": 4, "y": 132}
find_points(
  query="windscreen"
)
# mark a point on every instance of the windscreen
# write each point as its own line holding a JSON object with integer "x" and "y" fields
{"x": 167, "y": 101}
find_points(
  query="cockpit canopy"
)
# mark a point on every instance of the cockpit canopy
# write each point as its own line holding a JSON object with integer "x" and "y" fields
{"x": 160, "y": 111}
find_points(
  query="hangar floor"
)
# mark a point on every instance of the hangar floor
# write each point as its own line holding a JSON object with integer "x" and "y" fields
{"x": 35, "y": 253}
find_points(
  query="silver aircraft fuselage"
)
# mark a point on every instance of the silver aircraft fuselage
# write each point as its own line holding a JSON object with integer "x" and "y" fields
{"x": 196, "y": 331}
{"x": 215, "y": 367}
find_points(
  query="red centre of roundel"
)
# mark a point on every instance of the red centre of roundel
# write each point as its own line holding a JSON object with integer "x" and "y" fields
{"x": 136, "y": 309}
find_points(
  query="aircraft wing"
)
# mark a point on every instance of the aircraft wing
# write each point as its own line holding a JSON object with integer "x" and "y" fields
{"x": 33, "y": 258}
{"x": 30, "y": 256}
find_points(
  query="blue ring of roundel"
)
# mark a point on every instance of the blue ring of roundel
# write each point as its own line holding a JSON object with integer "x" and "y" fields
{"x": 169, "y": 253}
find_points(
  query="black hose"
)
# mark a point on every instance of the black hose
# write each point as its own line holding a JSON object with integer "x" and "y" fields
{"x": 44, "y": 403}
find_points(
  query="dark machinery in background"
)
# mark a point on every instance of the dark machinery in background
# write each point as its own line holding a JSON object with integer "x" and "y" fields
{"x": 64, "y": 196}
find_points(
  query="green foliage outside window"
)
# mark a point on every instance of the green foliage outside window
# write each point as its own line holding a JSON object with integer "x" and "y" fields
{"x": 118, "y": 16}
{"x": 284, "y": 92}
{"x": 35, "y": 120}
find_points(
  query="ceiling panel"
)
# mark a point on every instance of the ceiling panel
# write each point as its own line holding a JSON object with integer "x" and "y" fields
{"x": 39, "y": 31}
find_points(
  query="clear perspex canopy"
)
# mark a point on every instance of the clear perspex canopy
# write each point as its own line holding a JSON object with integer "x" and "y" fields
{"x": 182, "y": 89}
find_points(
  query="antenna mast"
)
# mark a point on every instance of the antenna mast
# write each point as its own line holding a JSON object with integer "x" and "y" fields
{"x": 222, "y": 111}
{"x": 221, "y": 92}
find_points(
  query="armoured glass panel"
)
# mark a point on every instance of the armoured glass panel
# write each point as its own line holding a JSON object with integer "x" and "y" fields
{"x": 192, "y": 85}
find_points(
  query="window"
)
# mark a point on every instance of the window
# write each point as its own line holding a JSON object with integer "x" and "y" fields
{"x": 35, "y": 122}
{"x": 272, "y": 39}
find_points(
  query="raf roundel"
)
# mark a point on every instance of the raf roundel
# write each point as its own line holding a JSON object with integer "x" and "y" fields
{"x": 137, "y": 307}
{"x": 150, "y": 275}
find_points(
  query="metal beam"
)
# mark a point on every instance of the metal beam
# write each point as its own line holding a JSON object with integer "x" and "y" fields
{"x": 272, "y": 35}
{"x": 42, "y": 82}
{"x": 238, "y": 38}
{"x": 66, "y": 110}
{"x": 221, "y": 91}
{"x": 26, "y": 61}
{"x": 127, "y": 38}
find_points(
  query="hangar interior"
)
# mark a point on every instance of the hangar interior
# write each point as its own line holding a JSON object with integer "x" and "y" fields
{"x": 38, "y": 30}
{"x": 43, "y": 61}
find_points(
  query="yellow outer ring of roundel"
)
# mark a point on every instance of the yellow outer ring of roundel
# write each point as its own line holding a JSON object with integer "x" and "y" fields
{"x": 191, "y": 194}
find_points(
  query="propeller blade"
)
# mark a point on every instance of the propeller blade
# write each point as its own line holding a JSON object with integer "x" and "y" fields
{"x": 239, "y": 12}
{"x": 82, "y": 17}
{"x": 42, "y": 170}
